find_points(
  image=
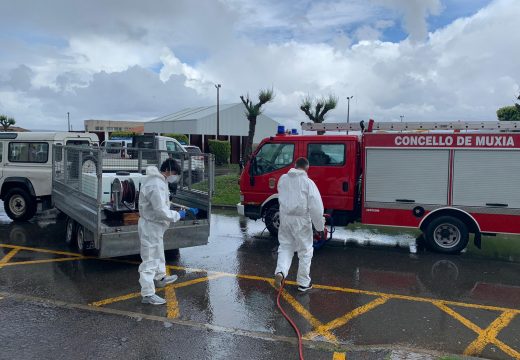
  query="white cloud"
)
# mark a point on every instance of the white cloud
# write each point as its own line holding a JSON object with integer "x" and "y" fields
{"x": 104, "y": 67}
{"x": 415, "y": 14}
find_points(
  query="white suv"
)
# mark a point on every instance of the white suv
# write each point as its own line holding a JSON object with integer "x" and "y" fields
{"x": 26, "y": 169}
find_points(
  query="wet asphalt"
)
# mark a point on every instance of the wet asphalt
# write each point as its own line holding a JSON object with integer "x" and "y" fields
{"x": 375, "y": 301}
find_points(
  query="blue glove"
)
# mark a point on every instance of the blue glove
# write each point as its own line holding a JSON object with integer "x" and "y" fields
{"x": 182, "y": 214}
{"x": 194, "y": 211}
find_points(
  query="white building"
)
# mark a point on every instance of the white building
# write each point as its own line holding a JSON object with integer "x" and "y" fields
{"x": 200, "y": 125}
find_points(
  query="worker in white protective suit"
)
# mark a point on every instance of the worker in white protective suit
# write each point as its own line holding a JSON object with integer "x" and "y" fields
{"x": 300, "y": 208}
{"x": 155, "y": 218}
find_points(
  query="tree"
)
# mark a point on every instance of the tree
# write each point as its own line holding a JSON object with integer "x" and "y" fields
{"x": 183, "y": 139}
{"x": 252, "y": 112}
{"x": 316, "y": 109}
{"x": 509, "y": 113}
{"x": 6, "y": 122}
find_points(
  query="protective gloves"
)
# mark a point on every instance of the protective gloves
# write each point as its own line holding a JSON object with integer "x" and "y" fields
{"x": 182, "y": 214}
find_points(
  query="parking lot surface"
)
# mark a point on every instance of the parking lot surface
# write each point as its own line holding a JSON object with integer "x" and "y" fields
{"x": 367, "y": 302}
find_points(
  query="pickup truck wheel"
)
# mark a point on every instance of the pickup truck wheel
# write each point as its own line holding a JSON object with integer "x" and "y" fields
{"x": 272, "y": 220}
{"x": 447, "y": 234}
{"x": 70, "y": 232}
{"x": 19, "y": 204}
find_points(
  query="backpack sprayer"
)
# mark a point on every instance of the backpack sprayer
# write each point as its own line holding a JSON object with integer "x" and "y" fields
{"x": 321, "y": 237}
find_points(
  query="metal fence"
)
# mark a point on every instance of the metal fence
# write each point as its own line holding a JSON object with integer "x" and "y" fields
{"x": 90, "y": 170}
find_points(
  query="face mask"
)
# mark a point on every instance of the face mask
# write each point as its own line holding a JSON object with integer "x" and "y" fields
{"x": 172, "y": 179}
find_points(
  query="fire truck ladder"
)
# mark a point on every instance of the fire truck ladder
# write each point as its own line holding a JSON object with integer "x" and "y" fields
{"x": 414, "y": 126}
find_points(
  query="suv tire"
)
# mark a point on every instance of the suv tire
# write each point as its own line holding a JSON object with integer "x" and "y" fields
{"x": 19, "y": 204}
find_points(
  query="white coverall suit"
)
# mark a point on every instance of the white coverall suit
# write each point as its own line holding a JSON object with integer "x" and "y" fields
{"x": 155, "y": 218}
{"x": 300, "y": 203}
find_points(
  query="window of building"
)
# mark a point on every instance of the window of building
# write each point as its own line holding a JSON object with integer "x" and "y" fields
{"x": 326, "y": 154}
{"x": 28, "y": 152}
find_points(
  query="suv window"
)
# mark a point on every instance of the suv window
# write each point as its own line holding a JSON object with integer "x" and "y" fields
{"x": 326, "y": 154}
{"x": 173, "y": 146}
{"x": 272, "y": 157}
{"x": 28, "y": 152}
{"x": 113, "y": 147}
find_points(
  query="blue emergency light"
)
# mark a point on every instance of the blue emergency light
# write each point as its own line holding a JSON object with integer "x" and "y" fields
{"x": 281, "y": 129}
{"x": 294, "y": 131}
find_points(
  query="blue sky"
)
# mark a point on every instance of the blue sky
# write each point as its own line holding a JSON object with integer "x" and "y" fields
{"x": 126, "y": 59}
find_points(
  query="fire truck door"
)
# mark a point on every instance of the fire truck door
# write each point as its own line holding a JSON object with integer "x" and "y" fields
{"x": 330, "y": 170}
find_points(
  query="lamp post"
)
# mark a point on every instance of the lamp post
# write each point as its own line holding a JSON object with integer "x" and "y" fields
{"x": 348, "y": 111}
{"x": 68, "y": 121}
{"x": 217, "y": 86}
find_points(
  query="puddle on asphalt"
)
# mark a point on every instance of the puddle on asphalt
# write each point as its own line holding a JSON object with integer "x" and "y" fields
{"x": 227, "y": 224}
{"x": 501, "y": 247}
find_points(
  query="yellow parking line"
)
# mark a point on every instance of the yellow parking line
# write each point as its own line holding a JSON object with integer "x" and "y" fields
{"x": 339, "y": 322}
{"x": 339, "y": 356}
{"x": 172, "y": 305}
{"x": 269, "y": 280}
{"x": 493, "y": 328}
{"x": 44, "y": 261}
{"x": 8, "y": 257}
{"x": 39, "y": 250}
{"x": 316, "y": 324}
{"x": 175, "y": 286}
{"x": 490, "y": 334}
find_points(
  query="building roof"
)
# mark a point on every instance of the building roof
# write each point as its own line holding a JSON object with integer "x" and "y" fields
{"x": 195, "y": 113}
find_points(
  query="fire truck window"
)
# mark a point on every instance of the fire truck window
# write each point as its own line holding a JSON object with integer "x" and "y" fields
{"x": 273, "y": 157}
{"x": 326, "y": 154}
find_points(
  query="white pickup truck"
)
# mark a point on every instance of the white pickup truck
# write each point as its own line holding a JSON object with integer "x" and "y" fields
{"x": 156, "y": 149}
{"x": 26, "y": 169}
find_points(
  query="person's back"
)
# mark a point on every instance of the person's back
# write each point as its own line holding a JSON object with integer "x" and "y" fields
{"x": 293, "y": 192}
{"x": 300, "y": 208}
{"x": 153, "y": 181}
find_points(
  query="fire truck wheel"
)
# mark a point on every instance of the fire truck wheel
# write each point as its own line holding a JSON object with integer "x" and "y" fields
{"x": 272, "y": 220}
{"x": 447, "y": 234}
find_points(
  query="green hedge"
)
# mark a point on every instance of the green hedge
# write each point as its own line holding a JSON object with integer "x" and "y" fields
{"x": 221, "y": 150}
{"x": 183, "y": 139}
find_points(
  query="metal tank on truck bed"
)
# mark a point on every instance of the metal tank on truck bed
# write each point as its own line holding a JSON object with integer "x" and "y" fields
{"x": 101, "y": 204}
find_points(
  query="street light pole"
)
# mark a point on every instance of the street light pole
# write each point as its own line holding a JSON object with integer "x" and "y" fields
{"x": 348, "y": 111}
{"x": 218, "y": 109}
{"x": 68, "y": 121}
{"x": 401, "y": 116}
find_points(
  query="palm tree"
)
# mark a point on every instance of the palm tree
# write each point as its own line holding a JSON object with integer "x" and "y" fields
{"x": 252, "y": 112}
{"x": 316, "y": 109}
{"x": 6, "y": 122}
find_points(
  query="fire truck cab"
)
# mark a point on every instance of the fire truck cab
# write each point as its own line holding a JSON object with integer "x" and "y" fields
{"x": 447, "y": 184}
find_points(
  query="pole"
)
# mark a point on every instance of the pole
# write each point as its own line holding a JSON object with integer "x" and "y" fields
{"x": 218, "y": 109}
{"x": 401, "y": 116}
{"x": 68, "y": 121}
{"x": 348, "y": 111}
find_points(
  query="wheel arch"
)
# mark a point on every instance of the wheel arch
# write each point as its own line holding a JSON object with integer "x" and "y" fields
{"x": 273, "y": 199}
{"x": 464, "y": 216}
{"x": 12, "y": 182}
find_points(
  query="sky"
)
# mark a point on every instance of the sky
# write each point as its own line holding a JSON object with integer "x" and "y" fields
{"x": 428, "y": 60}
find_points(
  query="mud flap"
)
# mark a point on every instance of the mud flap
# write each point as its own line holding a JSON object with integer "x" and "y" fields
{"x": 478, "y": 240}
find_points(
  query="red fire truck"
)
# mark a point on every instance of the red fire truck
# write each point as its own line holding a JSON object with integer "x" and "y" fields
{"x": 449, "y": 180}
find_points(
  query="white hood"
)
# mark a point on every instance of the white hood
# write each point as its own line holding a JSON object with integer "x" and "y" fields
{"x": 154, "y": 171}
